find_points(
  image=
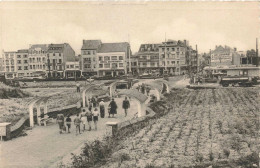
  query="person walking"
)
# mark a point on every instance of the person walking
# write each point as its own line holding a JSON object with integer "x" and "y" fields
{"x": 113, "y": 107}
{"x": 102, "y": 108}
{"x": 60, "y": 120}
{"x": 77, "y": 122}
{"x": 89, "y": 119}
{"x": 95, "y": 117}
{"x": 68, "y": 122}
{"x": 84, "y": 119}
{"x": 78, "y": 86}
{"x": 126, "y": 105}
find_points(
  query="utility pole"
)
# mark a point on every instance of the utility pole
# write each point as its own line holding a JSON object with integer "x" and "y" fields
{"x": 210, "y": 57}
{"x": 49, "y": 66}
{"x": 197, "y": 59}
{"x": 165, "y": 62}
{"x": 129, "y": 54}
{"x": 257, "y": 60}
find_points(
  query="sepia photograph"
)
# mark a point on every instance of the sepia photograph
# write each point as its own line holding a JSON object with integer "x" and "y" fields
{"x": 129, "y": 84}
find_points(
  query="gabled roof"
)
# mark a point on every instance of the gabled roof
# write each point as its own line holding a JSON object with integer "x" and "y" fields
{"x": 153, "y": 48}
{"x": 91, "y": 44}
{"x": 113, "y": 47}
{"x": 220, "y": 49}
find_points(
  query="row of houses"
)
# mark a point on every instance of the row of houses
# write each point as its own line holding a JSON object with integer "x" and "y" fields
{"x": 98, "y": 58}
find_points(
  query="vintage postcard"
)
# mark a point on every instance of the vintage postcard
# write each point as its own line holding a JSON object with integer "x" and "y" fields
{"x": 121, "y": 84}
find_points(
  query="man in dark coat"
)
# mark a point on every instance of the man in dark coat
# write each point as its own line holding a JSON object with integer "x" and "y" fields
{"x": 113, "y": 107}
{"x": 126, "y": 105}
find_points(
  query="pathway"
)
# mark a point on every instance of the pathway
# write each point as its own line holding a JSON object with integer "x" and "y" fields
{"x": 44, "y": 146}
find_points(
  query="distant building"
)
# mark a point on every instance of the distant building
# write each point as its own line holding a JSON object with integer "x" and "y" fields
{"x": 175, "y": 56}
{"x": 72, "y": 69}
{"x": 88, "y": 56}
{"x": 22, "y": 63}
{"x": 38, "y": 59}
{"x": 1, "y": 64}
{"x": 224, "y": 56}
{"x": 10, "y": 64}
{"x": 102, "y": 59}
{"x": 58, "y": 55}
{"x": 148, "y": 58}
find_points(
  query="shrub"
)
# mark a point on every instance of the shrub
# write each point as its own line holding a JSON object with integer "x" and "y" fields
{"x": 226, "y": 152}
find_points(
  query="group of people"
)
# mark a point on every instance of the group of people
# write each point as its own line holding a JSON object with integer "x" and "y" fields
{"x": 144, "y": 89}
{"x": 89, "y": 114}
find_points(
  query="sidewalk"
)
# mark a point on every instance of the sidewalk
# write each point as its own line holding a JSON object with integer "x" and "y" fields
{"x": 44, "y": 146}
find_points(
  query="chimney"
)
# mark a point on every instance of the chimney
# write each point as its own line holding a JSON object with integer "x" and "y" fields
{"x": 216, "y": 46}
{"x": 235, "y": 49}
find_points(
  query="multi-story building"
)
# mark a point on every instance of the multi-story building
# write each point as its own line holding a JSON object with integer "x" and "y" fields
{"x": 88, "y": 56}
{"x": 58, "y": 55}
{"x": 174, "y": 56}
{"x": 224, "y": 56}
{"x": 148, "y": 58}
{"x": 112, "y": 58}
{"x": 37, "y": 59}
{"x": 22, "y": 63}
{"x": 104, "y": 58}
{"x": 10, "y": 64}
{"x": 1, "y": 64}
{"x": 72, "y": 69}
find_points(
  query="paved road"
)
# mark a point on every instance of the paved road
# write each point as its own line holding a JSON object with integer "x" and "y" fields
{"x": 44, "y": 146}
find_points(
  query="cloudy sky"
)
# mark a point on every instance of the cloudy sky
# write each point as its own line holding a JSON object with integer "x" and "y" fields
{"x": 206, "y": 24}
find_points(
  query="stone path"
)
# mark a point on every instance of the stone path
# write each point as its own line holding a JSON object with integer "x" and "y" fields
{"x": 44, "y": 146}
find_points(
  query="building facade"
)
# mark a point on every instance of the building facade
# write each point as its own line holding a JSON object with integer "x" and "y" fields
{"x": 1, "y": 64}
{"x": 224, "y": 56}
{"x": 10, "y": 64}
{"x": 72, "y": 69}
{"x": 22, "y": 63}
{"x": 88, "y": 57}
{"x": 57, "y": 56}
{"x": 113, "y": 59}
{"x": 174, "y": 56}
{"x": 103, "y": 59}
{"x": 148, "y": 58}
{"x": 38, "y": 59}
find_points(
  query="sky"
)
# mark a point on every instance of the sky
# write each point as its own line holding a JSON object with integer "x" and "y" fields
{"x": 207, "y": 24}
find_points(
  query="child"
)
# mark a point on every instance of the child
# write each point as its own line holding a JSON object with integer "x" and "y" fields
{"x": 68, "y": 122}
{"x": 95, "y": 117}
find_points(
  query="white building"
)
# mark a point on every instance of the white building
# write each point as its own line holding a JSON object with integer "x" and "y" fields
{"x": 10, "y": 64}
{"x": 72, "y": 69}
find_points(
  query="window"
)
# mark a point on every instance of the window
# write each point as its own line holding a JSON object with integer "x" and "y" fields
{"x": 67, "y": 66}
{"x": 94, "y": 52}
{"x": 25, "y": 61}
{"x": 177, "y": 62}
{"x": 60, "y": 54}
{"x": 53, "y": 54}
{"x": 120, "y": 57}
{"x": 33, "y": 66}
{"x": 19, "y": 68}
{"x": 107, "y": 65}
{"x": 114, "y": 58}
{"x": 18, "y": 56}
{"x": 19, "y": 61}
{"x": 106, "y": 58}
{"x": 163, "y": 49}
{"x": 114, "y": 65}
{"x": 87, "y": 66}
{"x": 26, "y": 68}
{"x": 30, "y": 66}
{"x": 173, "y": 49}
{"x": 121, "y": 64}
{"x": 100, "y": 58}
{"x": 88, "y": 52}
{"x": 71, "y": 66}
{"x": 152, "y": 64}
{"x": 59, "y": 60}
{"x": 177, "y": 49}
{"x": 25, "y": 56}
{"x": 100, "y": 65}
{"x": 173, "y": 62}
{"x": 168, "y": 49}
{"x": 144, "y": 63}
